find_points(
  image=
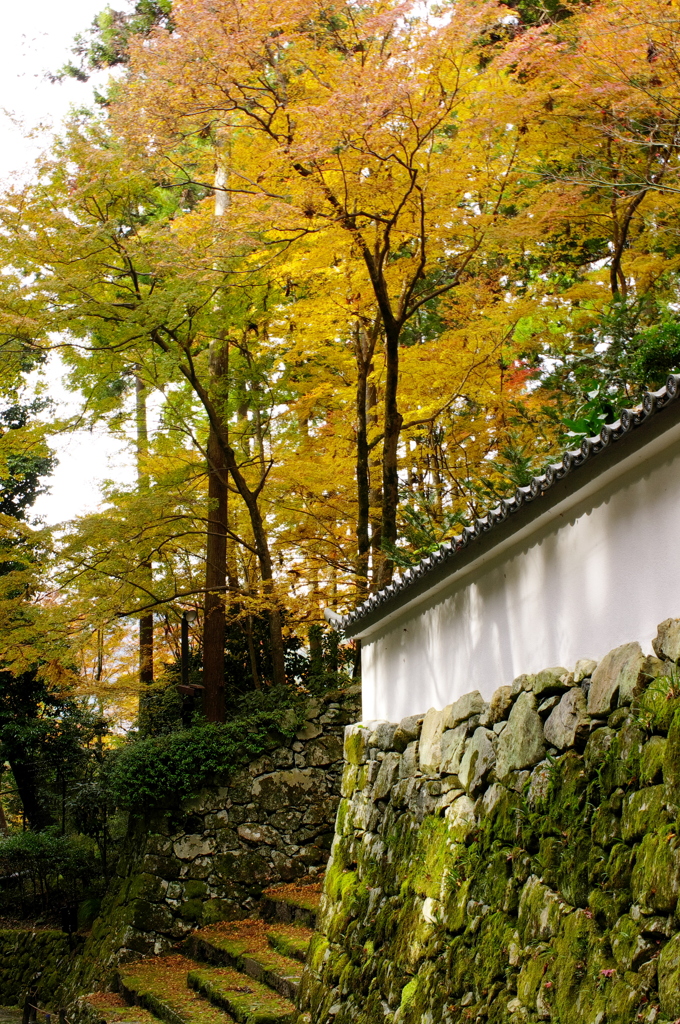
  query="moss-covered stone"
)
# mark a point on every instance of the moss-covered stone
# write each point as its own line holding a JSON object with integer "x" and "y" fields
{"x": 671, "y": 762}
{"x": 669, "y": 977}
{"x": 643, "y": 811}
{"x": 356, "y": 744}
{"x": 544, "y": 896}
{"x": 652, "y": 759}
{"x": 655, "y": 880}
{"x": 195, "y": 889}
{"x": 629, "y": 945}
{"x": 145, "y": 886}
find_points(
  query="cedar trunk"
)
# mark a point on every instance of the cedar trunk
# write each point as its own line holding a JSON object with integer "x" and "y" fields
{"x": 393, "y": 422}
{"x": 145, "y": 621}
{"x": 215, "y": 583}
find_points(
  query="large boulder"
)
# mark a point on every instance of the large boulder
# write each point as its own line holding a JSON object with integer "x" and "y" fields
{"x": 618, "y": 678}
{"x": 478, "y": 760}
{"x": 407, "y": 731}
{"x": 500, "y": 704}
{"x": 568, "y": 722}
{"x": 430, "y": 750}
{"x": 666, "y": 643}
{"x": 552, "y": 680}
{"x": 452, "y": 748}
{"x": 465, "y": 707}
{"x": 521, "y": 744}
{"x": 387, "y": 776}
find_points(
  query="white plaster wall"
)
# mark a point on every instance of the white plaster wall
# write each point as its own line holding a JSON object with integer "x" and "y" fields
{"x": 605, "y": 572}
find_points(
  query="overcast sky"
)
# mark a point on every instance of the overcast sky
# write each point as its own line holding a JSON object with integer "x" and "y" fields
{"x": 35, "y": 39}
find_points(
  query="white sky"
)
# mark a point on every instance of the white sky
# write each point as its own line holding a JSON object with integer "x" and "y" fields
{"x": 36, "y": 37}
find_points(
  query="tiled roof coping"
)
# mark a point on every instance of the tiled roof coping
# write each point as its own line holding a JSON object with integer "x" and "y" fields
{"x": 630, "y": 420}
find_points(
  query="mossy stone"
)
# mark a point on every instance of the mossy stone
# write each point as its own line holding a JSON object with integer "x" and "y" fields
{"x": 533, "y": 975}
{"x": 431, "y": 857}
{"x": 671, "y": 762}
{"x": 219, "y": 910}
{"x": 652, "y": 760}
{"x": 195, "y": 889}
{"x": 605, "y": 827}
{"x": 146, "y": 887}
{"x": 629, "y": 946}
{"x": 598, "y": 747}
{"x": 607, "y": 906}
{"x": 669, "y": 977}
{"x": 455, "y": 914}
{"x": 150, "y": 917}
{"x": 643, "y": 811}
{"x": 540, "y": 911}
{"x": 620, "y": 866}
{"x": 349, "y": 780}
{"x": 655, "y": 880}
{"x": 623, "y": 1001}
{"x": 356, "y": 744}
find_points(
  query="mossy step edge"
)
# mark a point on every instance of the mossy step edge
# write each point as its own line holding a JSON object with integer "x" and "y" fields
{"x": 89, "y": 1013}
{"x": 248, "y": 963}
{"x": 237, "y": 1007}
{"x": 287, "y": 946}
{"x": 148, "y": 1001}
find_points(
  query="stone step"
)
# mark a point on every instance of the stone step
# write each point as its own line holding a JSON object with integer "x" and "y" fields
{"x": 293, "y": 902}
{"x": 160, "y": 985}
{"x": 109, "y": 1008}
{"x": 291, "y": 940}
{"x": 244, "y": 945}
{"x": 247, "y": 1000}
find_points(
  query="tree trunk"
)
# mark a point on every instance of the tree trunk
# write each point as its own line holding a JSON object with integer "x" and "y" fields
{"x": 375, "y": 491}
{"x": 26, "y": 776}
{"x": 393, "y": 422}
{"x": 3, "y": 820}
{"x": 145, "y": 621}
{"x": 362, "y": 471}
{"x": 215, "y": 583}
{"x": 251, "y": 499}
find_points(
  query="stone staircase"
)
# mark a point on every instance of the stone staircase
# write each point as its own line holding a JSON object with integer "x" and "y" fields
{"x": 247, "y": 972}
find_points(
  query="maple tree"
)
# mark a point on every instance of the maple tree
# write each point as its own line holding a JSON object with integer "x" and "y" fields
{"x": 369, "y": 130}
{"x": 601, "y": 113}
{"x": 374, "y": 264}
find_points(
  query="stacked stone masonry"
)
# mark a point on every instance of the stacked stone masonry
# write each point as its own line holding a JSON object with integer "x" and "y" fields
{"x": 210, "y": 858}
{"x": 511, "y": 861}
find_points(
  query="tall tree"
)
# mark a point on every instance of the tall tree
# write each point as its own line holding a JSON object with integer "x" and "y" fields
{"x": 214, "y": 624}
{"x": 335, "y": 136}
{"x": 142, "y": 447}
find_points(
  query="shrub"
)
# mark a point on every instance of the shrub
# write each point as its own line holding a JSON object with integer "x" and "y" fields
{"x": 159, "y": 770}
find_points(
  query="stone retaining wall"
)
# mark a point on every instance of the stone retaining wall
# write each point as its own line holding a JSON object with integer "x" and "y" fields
{"x": 33, "y": 960}
{"x": 211, "y": 858}
{"x": 513, "y": 861}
